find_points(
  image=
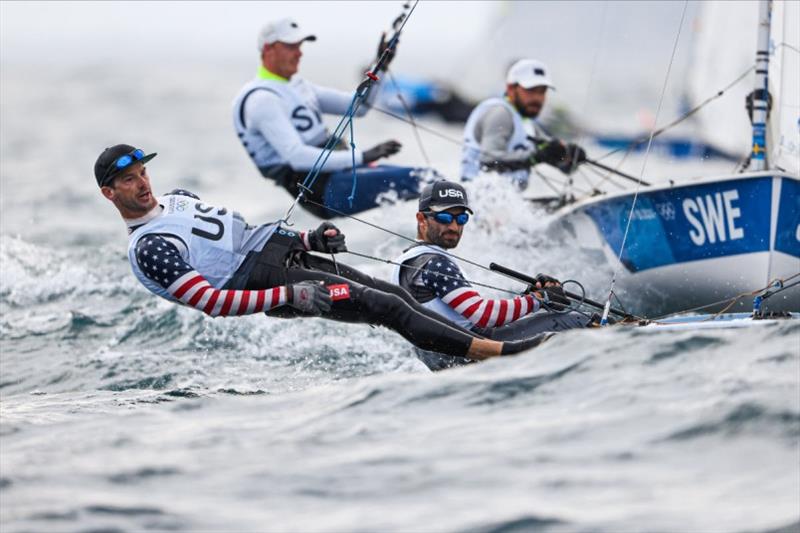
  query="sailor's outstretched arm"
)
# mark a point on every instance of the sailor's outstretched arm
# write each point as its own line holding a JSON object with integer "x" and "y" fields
{"x": 161, "y": 261}
{"x": 442, "y": 276}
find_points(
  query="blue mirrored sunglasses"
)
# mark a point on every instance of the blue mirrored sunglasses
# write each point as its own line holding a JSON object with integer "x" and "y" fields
{"x": 122, "y": 162}
{"x": 125, "y": 160}
{"x": 447, "y": 218}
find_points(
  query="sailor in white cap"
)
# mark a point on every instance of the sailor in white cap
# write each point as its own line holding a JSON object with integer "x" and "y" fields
{"x": 278, "y": 118}
{"x": 502, "y": 135}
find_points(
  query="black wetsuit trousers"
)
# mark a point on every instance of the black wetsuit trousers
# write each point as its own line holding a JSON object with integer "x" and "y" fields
{"x": 371, "y": 301}
{"x": 535, "y": 324}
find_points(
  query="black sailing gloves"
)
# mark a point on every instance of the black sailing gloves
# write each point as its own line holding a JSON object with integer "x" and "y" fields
{"x": 554, "y": 152}
{"x": 550, "y": 293}
{"x": 554, "y": 298}
{"x": 576, "y": 154}
{"x": 309, "y": 297}
{"x": 327, "y": 239}
{"x": 384, "y": 149}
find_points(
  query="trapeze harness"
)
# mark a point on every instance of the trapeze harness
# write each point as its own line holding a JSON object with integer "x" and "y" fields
{"x": 471, "y": 154}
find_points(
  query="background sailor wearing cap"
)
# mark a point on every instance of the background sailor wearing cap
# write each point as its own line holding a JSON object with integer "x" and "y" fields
{"x": 278, "y": 118}
{"x": 212, "y": 260}
{"x": 502, "y": 135}
{"x": 431, "y": 276}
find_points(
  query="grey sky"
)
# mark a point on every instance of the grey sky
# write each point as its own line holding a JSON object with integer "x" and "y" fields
{"x": 602, "y": 47}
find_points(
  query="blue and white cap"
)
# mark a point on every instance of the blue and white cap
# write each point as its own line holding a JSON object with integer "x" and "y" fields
{"x": 529, "y": 73}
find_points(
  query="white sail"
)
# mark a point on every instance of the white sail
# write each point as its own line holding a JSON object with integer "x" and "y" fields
{"x": 783, "y": 145}
{"x": 723, "y": 48}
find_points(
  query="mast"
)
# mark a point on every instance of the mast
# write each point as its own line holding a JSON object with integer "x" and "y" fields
{"x": 758, "y": 155}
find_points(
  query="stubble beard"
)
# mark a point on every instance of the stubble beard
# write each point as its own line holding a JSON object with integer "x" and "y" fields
{"x": 438, "y": 239}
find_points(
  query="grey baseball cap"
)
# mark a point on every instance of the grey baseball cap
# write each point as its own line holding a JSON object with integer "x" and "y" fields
{"x": 442, "y": 195}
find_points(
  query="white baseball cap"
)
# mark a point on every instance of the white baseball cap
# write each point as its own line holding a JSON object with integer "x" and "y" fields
{"x": 529, "y": 73}
{"x": 284, "y": 31}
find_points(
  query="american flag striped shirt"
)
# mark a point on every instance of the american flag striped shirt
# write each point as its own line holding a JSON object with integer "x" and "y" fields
{"x": 160, "y": 260}
{"x": 443, "y": 277}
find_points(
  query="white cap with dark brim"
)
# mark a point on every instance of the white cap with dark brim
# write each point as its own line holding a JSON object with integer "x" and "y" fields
{"x": 284, "y": 31}
{"x": 529, "y": 73}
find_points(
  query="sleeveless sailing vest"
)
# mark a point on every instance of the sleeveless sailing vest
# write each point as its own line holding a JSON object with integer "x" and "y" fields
{"x": 297, "y": 100}
{"x": 407, "y": 276}
{"x": 207, "y": 232}
{"x": 471, "y": 151}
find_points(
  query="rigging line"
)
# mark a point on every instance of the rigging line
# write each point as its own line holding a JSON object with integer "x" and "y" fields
{"x": 789, "y": 46}
{"x": 358, "y": 96}
{"x": 680, "y": 119}
{"x": 547, "y": 182}
{"x": 423, "y": 269}
{"x": 543, "y": 303}
{"x": 604, "y": 319}
{"x": 323, "y": 156}
{"x": 401, "y": 236}
{"x": 428, "y": 129}
{"x": 782, "y": 289}
{"x": 605, "y": 178}
{"x": 410, "y": 117}
{"x": 582, "y": 173}
{"x": 730, "y": 299}
{"x": 556, "y": 181}
{"x": 592, "y": 69}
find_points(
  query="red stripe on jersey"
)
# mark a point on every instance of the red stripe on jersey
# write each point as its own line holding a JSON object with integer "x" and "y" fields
{"x": 472, "y": 308}
{"x": 501, "y": 316}
{"x": 211, "y": 302}
{"x": 198, "y": 295}
{"x": 259, "y": 301}
{"x": 531, "y": 303}
{"x": 517, "y": 308}
{"x": 486, "y": 314}
{"x": 188, "y": 285}
{"x": 243, "y": 302}
{"x": 276, "y": 297}
{"x": 226, "y": 307}
{"x": 461, "y": 298}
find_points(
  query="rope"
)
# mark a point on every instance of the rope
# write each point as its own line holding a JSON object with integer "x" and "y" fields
{"x": 420, "y": 126}
{"x": 400, "y": 235}
{"x": 587, "y": 96}
{"x": 543, "y": 303}
{"x": 353, "y": 156}
{"x": 347, "y": 118}
{"x": 604, "y": 319}
{"x": 732, "y": 300}
{"x": 423, "y": 269}
{"x": 680, "y": 119}
{"x": 410, "y": 118}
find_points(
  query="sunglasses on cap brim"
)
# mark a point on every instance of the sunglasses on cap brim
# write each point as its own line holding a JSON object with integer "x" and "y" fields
{"x": 447, "y": 218}
{"x": 123, "y": 162}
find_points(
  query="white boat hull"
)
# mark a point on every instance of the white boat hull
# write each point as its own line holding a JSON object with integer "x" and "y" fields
{"x": 693, "y": 244}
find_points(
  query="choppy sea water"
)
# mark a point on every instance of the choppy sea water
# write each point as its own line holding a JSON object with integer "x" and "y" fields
{"x": 122, "y": 412}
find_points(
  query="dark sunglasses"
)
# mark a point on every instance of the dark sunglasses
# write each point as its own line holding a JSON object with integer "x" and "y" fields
{"x": 122, "y": 162}
{"x": 447, "y": 218}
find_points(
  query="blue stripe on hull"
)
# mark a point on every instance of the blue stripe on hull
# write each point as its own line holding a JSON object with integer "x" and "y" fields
{"x": 787, "y": 237}
{"x": 689, "y": 223}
